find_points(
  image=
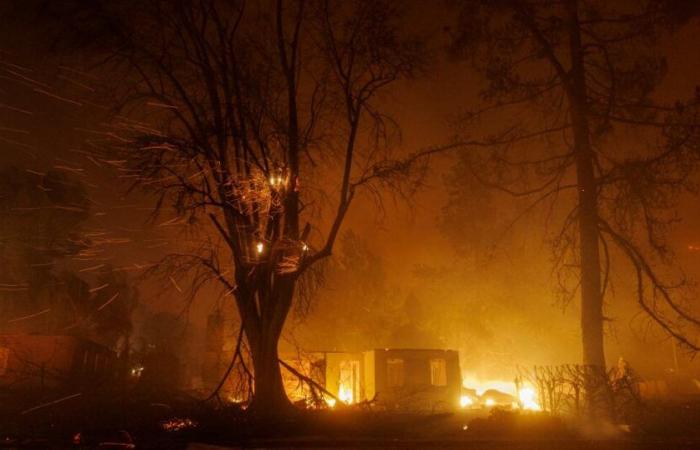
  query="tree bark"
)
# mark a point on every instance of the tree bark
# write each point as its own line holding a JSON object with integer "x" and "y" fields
{"x": 269, "y": 397}
{"x": 591, "y": 293}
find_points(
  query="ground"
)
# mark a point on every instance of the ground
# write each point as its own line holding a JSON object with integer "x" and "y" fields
{"x": 476, "y": 445}
{"x": 178, "y": 422}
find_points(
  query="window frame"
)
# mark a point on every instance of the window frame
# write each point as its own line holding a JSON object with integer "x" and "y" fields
{"x": 438, "y": 372}
{"x": 395, "y": 372}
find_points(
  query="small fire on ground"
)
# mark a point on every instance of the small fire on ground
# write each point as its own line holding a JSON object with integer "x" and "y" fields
{"x": 177, "y": 424}
{"x": 345, "y": 395}
{"x": 476, "y": 394}
{"x": 496, "y": 393}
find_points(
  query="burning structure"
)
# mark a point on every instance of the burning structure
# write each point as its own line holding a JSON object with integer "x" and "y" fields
{"x": 401, "y": 379}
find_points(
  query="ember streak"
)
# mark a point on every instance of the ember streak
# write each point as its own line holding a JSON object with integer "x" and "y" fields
{"x": 227, "y": 220}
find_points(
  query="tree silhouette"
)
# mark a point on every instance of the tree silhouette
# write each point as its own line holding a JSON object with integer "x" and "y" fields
{"x": 261, "y": 112}
{"x": 574, "y": 81}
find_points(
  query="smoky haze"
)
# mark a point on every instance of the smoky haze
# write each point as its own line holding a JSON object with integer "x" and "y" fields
{"x": 449, "y": 267}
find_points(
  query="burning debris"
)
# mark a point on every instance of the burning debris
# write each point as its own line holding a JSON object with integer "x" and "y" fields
{"x": 176, "y": 424}
{"x": 478, "y": 394}
{"x": 401, "y": 379}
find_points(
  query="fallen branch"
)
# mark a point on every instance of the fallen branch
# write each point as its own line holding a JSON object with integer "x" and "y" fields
{"x": 236, "y": 355}
{"x": 311, "y": 382}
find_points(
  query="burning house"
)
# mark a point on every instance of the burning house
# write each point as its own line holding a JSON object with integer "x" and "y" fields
{"x": 402, "y": 379}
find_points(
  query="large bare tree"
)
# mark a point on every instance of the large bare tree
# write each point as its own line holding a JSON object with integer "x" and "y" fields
{"x": 253, "y": 119}
{"x": 571, "y": 84}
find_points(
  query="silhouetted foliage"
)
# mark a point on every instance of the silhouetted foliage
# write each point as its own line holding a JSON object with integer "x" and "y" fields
{"x": 594, "y": 139}
{"x": 257, "y": 108}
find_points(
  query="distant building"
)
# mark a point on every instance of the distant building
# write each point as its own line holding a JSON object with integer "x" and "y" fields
{"x": 37, "y": 361}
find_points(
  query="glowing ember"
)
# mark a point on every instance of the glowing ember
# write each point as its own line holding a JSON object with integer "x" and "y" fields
{"x": 489, "y": 402}
{"x": 277, "y": 181}
{"x": 259, "y": 247}
{"x": 177, "y": 424}
{"x": 136, "y": 371}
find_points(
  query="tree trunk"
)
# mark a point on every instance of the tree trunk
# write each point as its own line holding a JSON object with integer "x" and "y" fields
{"x": 595, "y": 381}
{"x": 591, "y": 293}
{"x": 269, "y": 396}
